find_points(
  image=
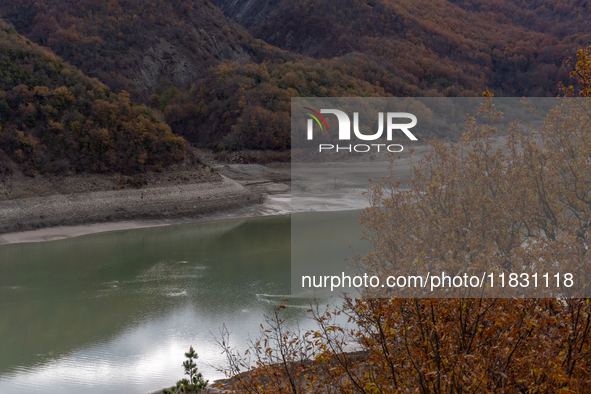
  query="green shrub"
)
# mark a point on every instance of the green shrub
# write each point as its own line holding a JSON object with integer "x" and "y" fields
{"x": 195, "y": 383}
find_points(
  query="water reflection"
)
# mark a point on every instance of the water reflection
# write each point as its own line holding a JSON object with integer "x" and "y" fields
{"x": 114, "y": 312}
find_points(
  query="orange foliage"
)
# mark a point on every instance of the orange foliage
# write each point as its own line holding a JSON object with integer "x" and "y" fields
{"x": 56, "y": 120}
{"x": 466, "y": 205}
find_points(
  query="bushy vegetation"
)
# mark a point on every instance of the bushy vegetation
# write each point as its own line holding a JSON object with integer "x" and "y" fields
{"x": 56, "y": 120}
{"x": 426, "y": 346}
{"x": 525, "y": 208}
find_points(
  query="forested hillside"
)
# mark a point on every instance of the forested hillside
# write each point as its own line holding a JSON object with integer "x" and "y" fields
{"x": 225, "y": 81}
{"x": 215, "y": 84}
{"x": 449, "y": 47}
{"x": 249, "y": 106}
{"x": 56, "y": 120}
{"x": 128, "y": 44}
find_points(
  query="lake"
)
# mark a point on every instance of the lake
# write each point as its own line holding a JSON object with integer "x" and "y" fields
{"x": 114, "y": 312}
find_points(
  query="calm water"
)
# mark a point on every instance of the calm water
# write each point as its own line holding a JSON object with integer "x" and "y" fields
{"x": 115, "y": 312}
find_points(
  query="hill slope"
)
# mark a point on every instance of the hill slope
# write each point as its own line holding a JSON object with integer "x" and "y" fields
{"x": 227, "y": 86}
{"x": 127, "y": 44}
{"x": 215, "y": 84}
{"x": 513, "y": 47}
{"x": 54, "y": 119}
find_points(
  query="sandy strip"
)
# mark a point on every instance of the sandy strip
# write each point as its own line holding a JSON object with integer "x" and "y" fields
{"x": 62, "y": 216}
{"x": 273, "y": 205}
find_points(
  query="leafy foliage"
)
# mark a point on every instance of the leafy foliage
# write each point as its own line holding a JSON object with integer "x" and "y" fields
{"x": 581, "y": 72}
{"x": 472, "y": 205}
{"x": 56, "y": 120}
{"x": 424, "y": 346}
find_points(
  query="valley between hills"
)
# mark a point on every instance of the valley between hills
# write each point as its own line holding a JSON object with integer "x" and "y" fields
{"x": 117, "y": 96}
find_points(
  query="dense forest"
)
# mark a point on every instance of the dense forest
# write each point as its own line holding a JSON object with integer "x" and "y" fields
{"x": 248, "y": 106}
{"x": 444, "y": 47}
{"x": 128, "y": 44}
{"x": 223, "y": 77}
{"x": 214, "y": 83}
{"x": 55, "y": 120}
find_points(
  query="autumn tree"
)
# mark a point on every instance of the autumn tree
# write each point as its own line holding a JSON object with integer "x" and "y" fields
{"x": 526, "y": 206}
{"x": 581, "y": 73}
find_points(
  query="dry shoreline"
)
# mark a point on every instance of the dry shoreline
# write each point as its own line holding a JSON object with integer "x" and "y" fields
{"x": 49, "y": 209}
{"x": 58, "y": 216}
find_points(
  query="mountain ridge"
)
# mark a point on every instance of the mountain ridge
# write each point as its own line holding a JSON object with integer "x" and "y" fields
{"x": 226, "y": 85}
